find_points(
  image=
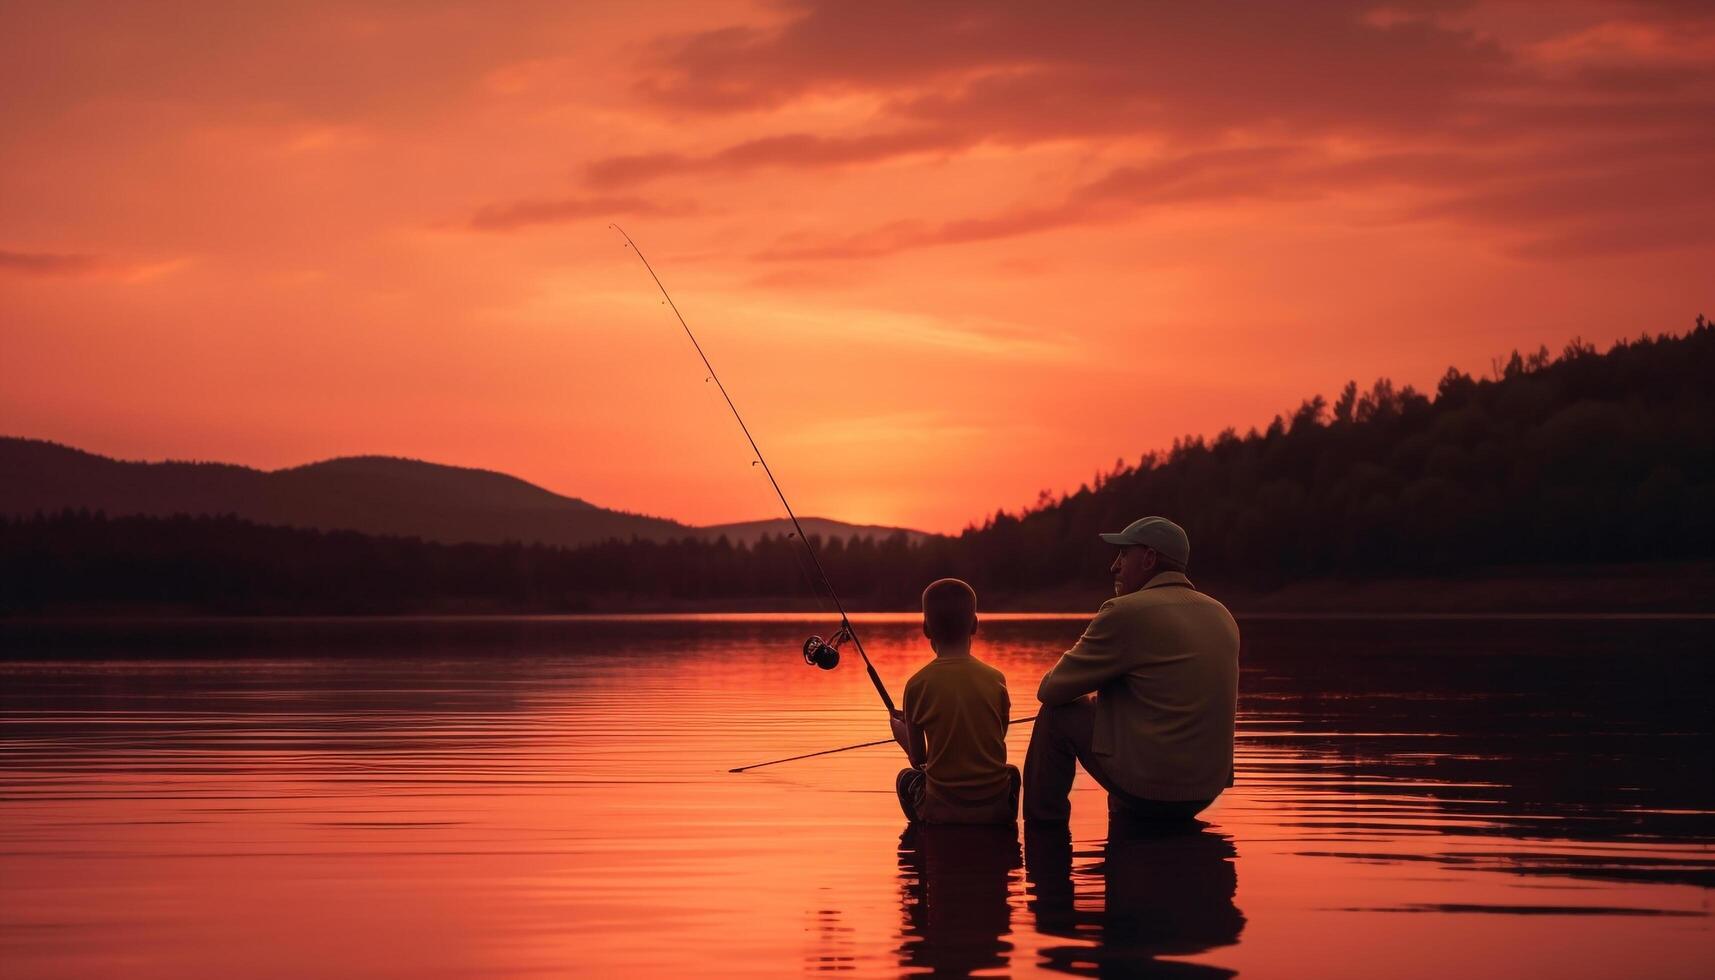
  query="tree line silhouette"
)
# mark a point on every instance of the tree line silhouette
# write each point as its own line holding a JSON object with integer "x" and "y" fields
{"x": 1586, "y": 458}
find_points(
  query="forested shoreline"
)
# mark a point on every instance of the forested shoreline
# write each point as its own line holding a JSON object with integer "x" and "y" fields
{"x": 1581, "y": 460}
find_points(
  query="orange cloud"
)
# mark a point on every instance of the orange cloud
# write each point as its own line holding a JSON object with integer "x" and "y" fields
{"x": 1459, "y": 107}
{"x": 52, "y": 264}
{"x": 785, "y": 150}
{"x": 1026, "y": 68}
{"x": 521, "y": 214}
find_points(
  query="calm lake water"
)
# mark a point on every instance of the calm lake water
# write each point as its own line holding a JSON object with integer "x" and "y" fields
{"x": 522, "y": 797}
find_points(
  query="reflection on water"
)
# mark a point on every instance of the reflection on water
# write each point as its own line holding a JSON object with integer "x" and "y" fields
{"x": 540, "y": 796}
{"x": 956, "y": 881}
{"x": 1164, "y": 891}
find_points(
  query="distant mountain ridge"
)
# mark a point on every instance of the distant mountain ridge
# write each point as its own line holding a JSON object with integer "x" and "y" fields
{"x": 371, "y": 494}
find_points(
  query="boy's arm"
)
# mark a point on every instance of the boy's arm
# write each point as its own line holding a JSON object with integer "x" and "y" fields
{"x": 909, "y": 737}
{"x": 916, "y": 746}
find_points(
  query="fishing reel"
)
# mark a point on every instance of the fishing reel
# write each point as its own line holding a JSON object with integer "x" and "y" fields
{"x": 826, "y": 653}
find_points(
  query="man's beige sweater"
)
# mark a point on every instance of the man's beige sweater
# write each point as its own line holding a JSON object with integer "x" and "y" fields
{"x": 1163, "y": 663}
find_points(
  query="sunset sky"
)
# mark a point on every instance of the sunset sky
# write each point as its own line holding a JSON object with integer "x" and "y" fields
{"x": 944, "y": 255}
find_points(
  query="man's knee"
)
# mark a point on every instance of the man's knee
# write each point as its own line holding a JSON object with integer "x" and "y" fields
{"x": 1073, "y": 721}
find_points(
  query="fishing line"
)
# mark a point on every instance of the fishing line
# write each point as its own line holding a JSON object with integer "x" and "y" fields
{"x": 845, "y": 748}
{"x": 810, "y": 580}
{"x": 816, "y": 651}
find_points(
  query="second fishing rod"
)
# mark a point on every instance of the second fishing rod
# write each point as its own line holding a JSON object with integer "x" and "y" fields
{"x": 817, "y": 651}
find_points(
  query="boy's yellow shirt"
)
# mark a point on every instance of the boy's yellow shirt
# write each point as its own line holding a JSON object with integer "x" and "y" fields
{"x": 960, "y": 704}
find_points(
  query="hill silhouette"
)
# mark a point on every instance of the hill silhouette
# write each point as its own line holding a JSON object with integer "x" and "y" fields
{"x": 1587, "y": 467}
{"x": 1587, "y": 458}
{"x": 381, "y": 495}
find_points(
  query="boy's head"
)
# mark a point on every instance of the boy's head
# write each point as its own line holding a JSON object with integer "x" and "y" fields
{"x": 949, "y": 612}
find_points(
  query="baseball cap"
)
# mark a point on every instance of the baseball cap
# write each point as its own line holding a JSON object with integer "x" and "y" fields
{"x": 1155, "y": 532}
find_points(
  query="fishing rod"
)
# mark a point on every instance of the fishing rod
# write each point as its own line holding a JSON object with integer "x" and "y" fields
{"x": 843, "y": 748}
{"x": 817, "y": 651}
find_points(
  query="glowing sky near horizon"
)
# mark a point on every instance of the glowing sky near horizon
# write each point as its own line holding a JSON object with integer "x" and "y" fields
{"x": 944, "y": 255}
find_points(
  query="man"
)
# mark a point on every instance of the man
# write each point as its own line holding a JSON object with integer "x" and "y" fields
{"x": 1146, "y": 699}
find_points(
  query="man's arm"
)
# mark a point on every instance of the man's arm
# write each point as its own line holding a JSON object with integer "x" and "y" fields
{"x": 1098, "y": 657}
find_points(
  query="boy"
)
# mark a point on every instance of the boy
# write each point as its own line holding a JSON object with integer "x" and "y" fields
{"x": 953, "y": 727}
